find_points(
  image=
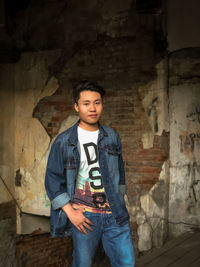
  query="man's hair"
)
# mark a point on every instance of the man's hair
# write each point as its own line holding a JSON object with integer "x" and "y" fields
{"x": 87, "y": 86}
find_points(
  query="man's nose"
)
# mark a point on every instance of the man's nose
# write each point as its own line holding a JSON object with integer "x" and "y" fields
{"x": 92, "y": 107}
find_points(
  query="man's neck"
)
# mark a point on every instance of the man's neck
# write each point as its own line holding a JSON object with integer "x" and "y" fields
{"x": 88, "y": 127}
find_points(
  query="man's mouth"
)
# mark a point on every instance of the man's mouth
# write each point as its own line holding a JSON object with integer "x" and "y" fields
{"x": 93, "y": 115}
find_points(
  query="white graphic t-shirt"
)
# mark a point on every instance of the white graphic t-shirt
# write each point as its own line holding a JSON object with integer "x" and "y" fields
{"x": 89, "y": 191}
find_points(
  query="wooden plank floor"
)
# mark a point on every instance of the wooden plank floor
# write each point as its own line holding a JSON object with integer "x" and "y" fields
{"x": 179, "y": 252}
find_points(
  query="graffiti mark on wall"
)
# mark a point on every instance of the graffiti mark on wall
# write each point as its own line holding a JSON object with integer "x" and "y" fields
{"x": 188, "y": 142}
{"x": 194, "y": 186}
{"x": 46, "y": 201}
{"x": 195, "y": 115}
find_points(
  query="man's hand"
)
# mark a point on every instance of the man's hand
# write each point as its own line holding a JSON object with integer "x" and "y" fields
{"x": 77, "y": 218}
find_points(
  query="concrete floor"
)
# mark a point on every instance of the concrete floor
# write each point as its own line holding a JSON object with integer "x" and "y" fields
{"x": 179, "y": 252}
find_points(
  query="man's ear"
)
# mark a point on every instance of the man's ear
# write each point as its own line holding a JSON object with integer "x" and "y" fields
{"x": 76, "y": 107}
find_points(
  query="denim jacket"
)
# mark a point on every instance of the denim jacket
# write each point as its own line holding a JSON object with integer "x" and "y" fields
{"x": 62, "y": 169}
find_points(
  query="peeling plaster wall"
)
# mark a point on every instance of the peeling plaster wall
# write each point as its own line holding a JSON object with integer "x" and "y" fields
{"x": 152, "y": 219}
{"x": 155, "y": 101}
{"x": 152, "y": 215}
{"x": 32, "y": 143}
{"x": 32, "y": 83}
{"x": 7, "y": 132}
{"x": 184, "y": 94}
{"x": 184, "y": 201}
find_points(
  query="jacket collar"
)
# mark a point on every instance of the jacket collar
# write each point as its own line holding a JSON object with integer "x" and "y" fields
{"x": 73, "y": 135}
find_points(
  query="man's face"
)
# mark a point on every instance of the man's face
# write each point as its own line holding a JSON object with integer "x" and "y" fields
{"x": 90, "y": 109}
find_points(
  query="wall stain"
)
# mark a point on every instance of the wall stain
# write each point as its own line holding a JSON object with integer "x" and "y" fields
{"x": 195, "y": 115}
{"x": 153, "y": 113}
{"x": 18, "y": 178}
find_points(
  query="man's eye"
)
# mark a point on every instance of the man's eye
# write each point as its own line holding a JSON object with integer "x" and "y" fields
{"x": 97, "y": 103}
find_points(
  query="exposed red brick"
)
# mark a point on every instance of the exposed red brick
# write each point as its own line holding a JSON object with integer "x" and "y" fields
{"x": 42, "y": 250}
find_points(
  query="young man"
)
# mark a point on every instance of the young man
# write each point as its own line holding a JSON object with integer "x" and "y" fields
{"x": 85, "y": 182}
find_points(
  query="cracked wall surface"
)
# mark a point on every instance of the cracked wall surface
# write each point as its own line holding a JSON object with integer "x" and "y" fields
{"x": 154, "y": 208}
{"x": 32, "y": 142}
{"x": 152, "y": 213}
{"x": 31, "y": 139}
{"x": 155, "y": 102}
{"x": 184, "y": 204}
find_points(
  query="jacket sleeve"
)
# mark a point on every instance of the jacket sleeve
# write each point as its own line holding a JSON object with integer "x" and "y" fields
{"x": 55, "y": 180}
{"x": 122, "y": 182}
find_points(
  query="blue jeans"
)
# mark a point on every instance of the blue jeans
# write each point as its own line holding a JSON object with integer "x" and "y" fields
{"x": 116, "y": 240}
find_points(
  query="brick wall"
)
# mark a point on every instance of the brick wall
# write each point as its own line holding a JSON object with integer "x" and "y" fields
{"x": 42, "y": 250}
{"x": 7, "y": 234}
{"x": 121, "y": 65}
{"x": 51, "y": 111}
